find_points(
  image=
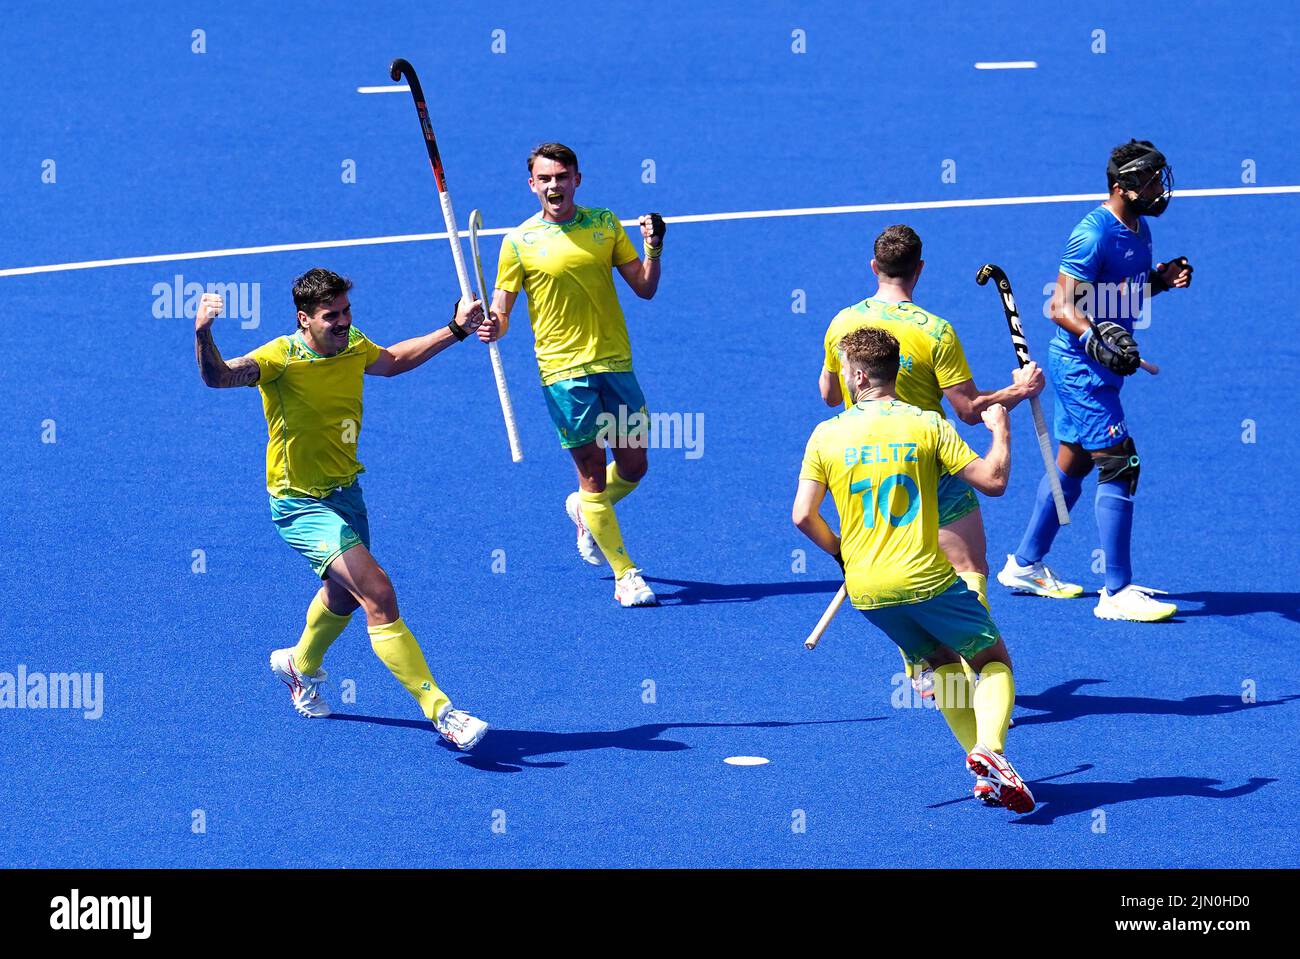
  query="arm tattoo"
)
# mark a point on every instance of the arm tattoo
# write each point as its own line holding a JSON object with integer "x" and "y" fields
{"x": 241, "y": 371}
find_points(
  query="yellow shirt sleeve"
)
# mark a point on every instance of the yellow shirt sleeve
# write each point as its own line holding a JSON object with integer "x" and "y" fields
{"x": 364, "y": 342}
{"x": 813, "y": 468}
{"x": 954, "y": 454}
{"x": 271, "y": 359}
{"x": 510, "y": 268}
{"x": 950, "y": 366}
{"x": 624, "y": 251}
{"x": 832, "y": 345}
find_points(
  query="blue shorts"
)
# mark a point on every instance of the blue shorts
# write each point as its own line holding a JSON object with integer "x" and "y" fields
{"x": 323, "y": 529}
{"x": 955, "y": 619}
{"x": 606, "y": 405}
{"x": 1088, "y": 410}
{"x": 956, "y": 499}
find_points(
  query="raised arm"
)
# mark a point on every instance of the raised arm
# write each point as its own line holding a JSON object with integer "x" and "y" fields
{"x": 642, "y": 275}
{"x": 407, "y": 355}
{"x": 969, "y": 402}
{"x": 216, "y": 372}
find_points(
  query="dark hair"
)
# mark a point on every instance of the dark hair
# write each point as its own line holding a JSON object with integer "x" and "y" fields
{"x": 898, "y": 251}
{"x": 553, "y": 151}
{"x": 871, "y": 349}
{"x": 1123, "y": 154}
{"x": 318, "y": 286}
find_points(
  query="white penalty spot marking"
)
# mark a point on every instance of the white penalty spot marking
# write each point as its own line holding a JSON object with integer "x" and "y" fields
{"x": 1007, "y": 65}
{"x": 745, "y": 761}
{"x": 386, "y": 89}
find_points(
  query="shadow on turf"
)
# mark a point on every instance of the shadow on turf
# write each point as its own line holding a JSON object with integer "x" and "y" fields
{"x": 507, "y": 750}
{"x": 692, "y": 593}
{"x": 1062, "y": 703}
{"x": 1286, "y": 605}
{"x": 1056, "y": 800}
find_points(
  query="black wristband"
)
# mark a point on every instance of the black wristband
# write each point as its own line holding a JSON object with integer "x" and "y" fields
{"x": 1158, "y": 284}
{"x": 456, "y": 331}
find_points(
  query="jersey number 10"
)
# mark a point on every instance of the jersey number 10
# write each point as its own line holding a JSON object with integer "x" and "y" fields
{"x": 878, "y": 500}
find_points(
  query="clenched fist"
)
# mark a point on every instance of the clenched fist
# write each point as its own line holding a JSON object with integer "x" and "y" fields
{"x": 995, "y": 417}
{"x": 653, "y": 229}
{"x": 1030, "y": 380}
{"x": 211, "y": 305}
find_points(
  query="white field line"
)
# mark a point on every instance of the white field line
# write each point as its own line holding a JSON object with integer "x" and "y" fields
{"x": 403, "y": 88}
{"x": 692, "y": 218}
{"x": 1007, "y": 65}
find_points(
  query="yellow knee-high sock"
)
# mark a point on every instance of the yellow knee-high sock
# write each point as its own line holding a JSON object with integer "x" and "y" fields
{"x": 994, "y": 697}
{"x": 977, "y": 583}
{"x": 615, "y": 486}
{"x": 952, "y": 695}
{"x": 599, "y": 516}
{"x": 397, "y": 648}
{"x": 323, "y": 627}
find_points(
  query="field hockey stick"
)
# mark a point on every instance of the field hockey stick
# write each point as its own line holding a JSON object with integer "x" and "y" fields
{"x": 1022, "y": 357}
{"x": 402, "y": 68}
{"x": 815, "y": 636}
{"x": 498, "y": 370}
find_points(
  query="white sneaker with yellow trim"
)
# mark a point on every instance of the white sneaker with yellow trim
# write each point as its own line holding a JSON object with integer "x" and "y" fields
{"x": 1133, "y": 603}
{"x": 1036, "y": 578}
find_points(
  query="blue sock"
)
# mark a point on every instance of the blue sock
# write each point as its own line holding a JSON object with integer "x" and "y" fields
{"x": 1043, "y": 525}
{"x": 1115, "y": 524}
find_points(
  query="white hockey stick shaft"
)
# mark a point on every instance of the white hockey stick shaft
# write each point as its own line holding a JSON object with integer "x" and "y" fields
{"x": 498, "y": 369}
{"x": 815, "y": 636}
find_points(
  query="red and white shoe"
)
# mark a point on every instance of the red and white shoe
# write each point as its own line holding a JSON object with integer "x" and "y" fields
{"x": 303, "y": 690}
{"x": 987, "y": 791}
{"x": 631, "y": 590}
{"x": 587, "y": 547}
{"x": 1012, "y": 792}
{"x": 458, "y": 727}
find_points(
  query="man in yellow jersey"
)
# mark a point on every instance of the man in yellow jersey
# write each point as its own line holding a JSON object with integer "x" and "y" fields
{"x": 563, "y": 257}
{"x": 311, "y": 384}
{"x": 882, "y": 460}
{"x": 933, "y": 365}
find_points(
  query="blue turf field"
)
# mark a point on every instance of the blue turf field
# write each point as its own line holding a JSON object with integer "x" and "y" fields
{"x": 161, "y": 150}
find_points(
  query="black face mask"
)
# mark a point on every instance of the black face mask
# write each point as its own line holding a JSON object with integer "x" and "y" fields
{"x": 1136, "y": 175}
{"x": 1161, "y": 203}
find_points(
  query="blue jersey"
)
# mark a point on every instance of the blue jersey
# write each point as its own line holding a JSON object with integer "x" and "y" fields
{"x": 1116, "y": 262}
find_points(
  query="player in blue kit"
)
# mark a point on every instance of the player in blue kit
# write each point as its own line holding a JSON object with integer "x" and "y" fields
{"x": 1105, "y": 279}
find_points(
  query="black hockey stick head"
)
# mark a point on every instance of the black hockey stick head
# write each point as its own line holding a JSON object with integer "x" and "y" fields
{"x": 399, "y": 68}
{"x": 989, "y": 270}
{"x": 402, "y": 68}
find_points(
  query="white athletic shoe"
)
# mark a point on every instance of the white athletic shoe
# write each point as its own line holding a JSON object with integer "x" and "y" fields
{"x": 630, "y": 590}
{"x": 1133, "y": 603}
{"x": 1011, "y": 792}
{"x": 1036, "y": 578}
{"x": 587, "y": 547}
{"x": 303, "y": 690}
{"x": 459, "y": 728}
{"x": 987, "y": 791}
